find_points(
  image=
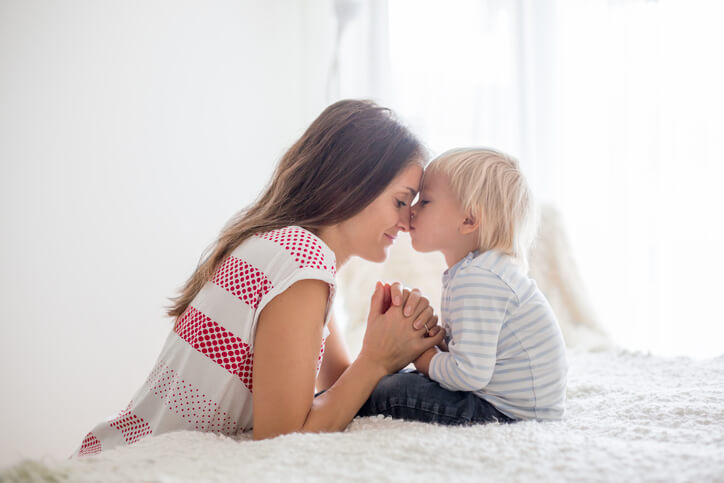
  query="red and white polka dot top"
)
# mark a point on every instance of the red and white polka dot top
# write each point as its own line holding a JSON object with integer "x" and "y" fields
{"x": 203, "y": 377}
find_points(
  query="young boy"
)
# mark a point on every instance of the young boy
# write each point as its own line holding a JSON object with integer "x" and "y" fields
{"x": 504, "y": 357}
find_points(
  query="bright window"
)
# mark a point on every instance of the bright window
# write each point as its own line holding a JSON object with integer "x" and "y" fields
{"x": 616, "y": 111}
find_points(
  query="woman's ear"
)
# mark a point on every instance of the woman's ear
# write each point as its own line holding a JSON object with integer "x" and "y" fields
{"x": 470, "y": 224}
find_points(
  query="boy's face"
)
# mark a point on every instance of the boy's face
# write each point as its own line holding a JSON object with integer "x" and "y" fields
{"x": 436, "y": 218}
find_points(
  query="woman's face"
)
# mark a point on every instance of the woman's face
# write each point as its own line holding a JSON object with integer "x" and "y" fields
{"x": 370, "y": 233}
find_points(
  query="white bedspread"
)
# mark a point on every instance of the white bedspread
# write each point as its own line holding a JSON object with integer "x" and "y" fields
{"x": 631, "y": 417}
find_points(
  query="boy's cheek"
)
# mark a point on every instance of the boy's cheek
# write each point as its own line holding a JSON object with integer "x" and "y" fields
{"x": 415, "y": 240}
{"x": 418, "y": 222}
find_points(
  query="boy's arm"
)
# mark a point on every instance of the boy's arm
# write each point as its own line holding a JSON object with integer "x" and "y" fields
{"x": 479, "y": 308}
{"x": 422, "y": 363}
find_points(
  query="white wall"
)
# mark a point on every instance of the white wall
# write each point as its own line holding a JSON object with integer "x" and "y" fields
{"x": 129, "y": 133}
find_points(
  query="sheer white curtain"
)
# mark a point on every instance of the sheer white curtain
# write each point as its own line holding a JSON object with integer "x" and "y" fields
{"x": 616, "y": 111}
{"x": 640, "y": 147}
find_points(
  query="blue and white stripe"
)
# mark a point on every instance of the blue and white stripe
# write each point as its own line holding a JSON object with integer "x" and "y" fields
{"x": 503, "y": 339}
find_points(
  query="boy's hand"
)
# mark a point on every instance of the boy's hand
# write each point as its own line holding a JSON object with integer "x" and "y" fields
{"x": 422, "y": 363}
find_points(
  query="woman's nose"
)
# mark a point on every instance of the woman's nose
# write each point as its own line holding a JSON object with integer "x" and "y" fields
{"x": 404, "y": 222}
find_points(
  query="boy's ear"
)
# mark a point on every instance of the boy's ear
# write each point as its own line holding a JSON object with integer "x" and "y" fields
{"x": 470, "y": 224}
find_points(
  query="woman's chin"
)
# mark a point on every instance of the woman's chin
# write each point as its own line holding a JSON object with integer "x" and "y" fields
{"x": 378, "y": 256}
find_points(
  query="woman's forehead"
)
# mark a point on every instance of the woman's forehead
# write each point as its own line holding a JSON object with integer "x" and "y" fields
{"x": 409, "y": 179}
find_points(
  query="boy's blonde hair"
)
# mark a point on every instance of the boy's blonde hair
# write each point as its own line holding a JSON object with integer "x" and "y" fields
{"x": 490, "y": 185}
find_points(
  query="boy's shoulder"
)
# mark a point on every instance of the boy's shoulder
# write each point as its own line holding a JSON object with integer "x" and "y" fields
{"x": 492, "y": 268}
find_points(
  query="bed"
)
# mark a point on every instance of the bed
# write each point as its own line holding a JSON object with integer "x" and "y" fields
{"x": 630, "y": 416}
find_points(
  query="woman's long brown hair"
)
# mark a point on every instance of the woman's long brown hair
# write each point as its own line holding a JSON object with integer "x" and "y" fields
{"x": 343, "y": 161}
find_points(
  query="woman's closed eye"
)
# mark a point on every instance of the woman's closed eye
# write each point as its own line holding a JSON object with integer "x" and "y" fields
{"x": 400, "y": 203}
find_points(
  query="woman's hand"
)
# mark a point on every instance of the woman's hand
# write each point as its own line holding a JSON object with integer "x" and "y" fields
{"x": 391, "y": 341}
{"x": 413, "y": 303}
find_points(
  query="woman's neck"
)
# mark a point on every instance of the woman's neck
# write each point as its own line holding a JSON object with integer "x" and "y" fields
{"x": 332, "y": 239}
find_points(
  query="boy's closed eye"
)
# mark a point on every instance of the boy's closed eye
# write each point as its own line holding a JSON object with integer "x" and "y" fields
{"x": 421, "y": 202}
{"x": 401, "y": 198}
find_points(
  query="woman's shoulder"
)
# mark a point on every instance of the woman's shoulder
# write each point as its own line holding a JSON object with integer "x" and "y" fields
{"x": 266, "y": 264}
{"x": 284, "y": 250}
{"x": 306, "y": 248}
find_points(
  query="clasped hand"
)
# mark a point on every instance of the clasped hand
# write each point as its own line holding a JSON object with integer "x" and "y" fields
{"x": 400, "y": 327}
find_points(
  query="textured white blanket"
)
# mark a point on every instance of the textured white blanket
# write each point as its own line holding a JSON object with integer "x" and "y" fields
{"x": 631, "y": 417}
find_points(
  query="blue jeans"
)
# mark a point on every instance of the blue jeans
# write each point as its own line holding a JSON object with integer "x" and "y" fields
{"x": 413, "y": 396}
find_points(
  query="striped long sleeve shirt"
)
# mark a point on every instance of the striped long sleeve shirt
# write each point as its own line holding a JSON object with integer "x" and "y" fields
{"x": 504, "y": 343}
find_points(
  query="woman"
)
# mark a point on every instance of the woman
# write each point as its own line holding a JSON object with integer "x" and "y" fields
{"x": 245, "y": 350}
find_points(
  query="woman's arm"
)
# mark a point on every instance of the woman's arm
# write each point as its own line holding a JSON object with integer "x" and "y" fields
{"x": 285, "y": 355}
{"x": 336, "y": 358}
{"x": 286, "y": 348}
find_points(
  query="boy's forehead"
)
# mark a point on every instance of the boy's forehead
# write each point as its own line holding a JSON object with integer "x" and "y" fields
{"x": 430, "y": 179}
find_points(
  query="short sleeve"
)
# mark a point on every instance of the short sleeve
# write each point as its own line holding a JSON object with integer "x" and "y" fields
{"x": 293, "y": 254}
